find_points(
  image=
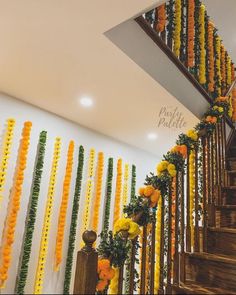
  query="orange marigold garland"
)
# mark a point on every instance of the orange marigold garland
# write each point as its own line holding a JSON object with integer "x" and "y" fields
{"x": 63, "y": 207}
{"x": 161, "y": 18}
{"x": 105, "y": 274}
{"x": 202, "y": 41}
{"x": 16, "y": 192}
{"x": 210, "y": 42}
{"x": 98, "y": 192}
{"x": 118, "y": 192}
{"x": 191, "y": 33}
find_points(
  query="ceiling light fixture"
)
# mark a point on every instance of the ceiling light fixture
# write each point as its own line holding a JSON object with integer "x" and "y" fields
{"x": 152, "y": 136}
{"x": 86, "y": 102}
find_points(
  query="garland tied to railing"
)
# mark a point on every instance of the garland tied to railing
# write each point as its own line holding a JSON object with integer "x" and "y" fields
{"x": 202, "y": 64}
{"x": 211, "y": 64}
{"x": 125, "y": 185}
{"x": 117, "y": 203}
{"x": 177, "y": 27}
{"x": 191, "y": 33}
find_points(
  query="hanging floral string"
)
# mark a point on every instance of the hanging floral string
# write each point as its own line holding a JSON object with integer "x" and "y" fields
{"x": 211, "y": 64}
{"x": 39, "y": 277}
{"x": 161, "y": 18}
{"x": 73, "y": 224}
{"x": 228, "y": 70}
{"x": 218, "y": 65}
{"x": 125, "y": 185}
{"x": 177, "y": 27}
{"x": 6, "y": 150}
{"x": 158, "y": 246}
{"x": 31, "y": 216}
{"x": 202, "y": 65}
{"x": 170, "y": 22}
{"x": 63, "y": 207}
{"x": 118, "y": 192}
{"x": 108, "y": 195}
{"x": 191, "y": 192}
{"x": 16, "y": 192}
{"x": 98, "y": 192}
{"x": 223, "y": 67}
{"x": 191, "y": 33}
{"x": 197, "y": 38}
{"x": 133, "y": 183}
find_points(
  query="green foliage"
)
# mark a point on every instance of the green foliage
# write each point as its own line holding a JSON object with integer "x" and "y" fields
{"x": 170, "y": 19}
{"x": 133, "y": 183}
{"x": 160, "y": 182}
{"x": 31, "y": 215}
{"x": 183, "y": 139}
{"x": 176, "y": 159}
{"x": 73, "y": 224}
{"x": 197, "y": 38}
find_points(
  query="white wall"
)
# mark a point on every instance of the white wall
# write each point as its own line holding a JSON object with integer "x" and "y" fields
{"x": 56, "y": 126}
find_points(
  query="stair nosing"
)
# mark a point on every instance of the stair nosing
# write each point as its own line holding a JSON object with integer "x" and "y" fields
{"x": 213, "y": 257}
{"x": 226, "y": 207}
{"x": 223, "y": 229}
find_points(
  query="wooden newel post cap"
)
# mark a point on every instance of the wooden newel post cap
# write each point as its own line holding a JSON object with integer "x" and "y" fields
{"x": 89, "y": 237}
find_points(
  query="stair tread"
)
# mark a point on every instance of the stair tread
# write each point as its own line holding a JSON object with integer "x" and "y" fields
{"x": 231, "y": 158}
{"x": 231, "y": 171}
{"x": 230, "y": 207}
{"x": 223, "y": 229}
{"x": 193, "y": 288}
{"x": 213, "y": 257}
{"x": 229, "y": 187}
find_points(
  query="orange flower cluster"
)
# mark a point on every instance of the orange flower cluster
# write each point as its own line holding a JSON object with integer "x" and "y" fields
{"x": 105, "y": 274}
{"x": 98, "y": 192}
{"x": 210, "y": 119}
{"x": 9, "y": 231}
{"x": 223, "y": 66}
{"x": 191, "y": 33}
{"x": 150, "y": 193}
{"x": 222, "y": 98}
{"x": 181, "y": 149}
{"x": 210, "y": 44}
{"x": 161, "y": 20}
{"x": 118, "y": 192}
{"x": 234, "y": 104}
{"x": 63, "y": 207}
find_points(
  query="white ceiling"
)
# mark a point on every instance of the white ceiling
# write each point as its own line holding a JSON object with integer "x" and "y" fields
{"x": 53, "y": 52}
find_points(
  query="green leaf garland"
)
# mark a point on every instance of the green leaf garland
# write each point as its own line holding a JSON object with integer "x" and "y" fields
{"x": 31, "y": 215}
{"x": 73, "y": 225}
{"x": 133, "y": 183}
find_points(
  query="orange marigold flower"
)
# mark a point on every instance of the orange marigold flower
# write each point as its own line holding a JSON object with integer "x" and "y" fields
{"x": 148, "y": 191}
{"x": 103, "y": 264}
{"x": 101, "y": 286}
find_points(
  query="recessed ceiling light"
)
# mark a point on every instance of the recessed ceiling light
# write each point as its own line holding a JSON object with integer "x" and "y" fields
{"x": 152, "y": 136}
{"x": 86, "y": 101}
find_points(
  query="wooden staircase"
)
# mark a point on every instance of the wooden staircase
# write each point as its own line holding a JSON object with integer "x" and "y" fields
{"x": 214, "y": 271}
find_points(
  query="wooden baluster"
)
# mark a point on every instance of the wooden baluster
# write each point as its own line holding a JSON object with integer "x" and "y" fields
{"x": 204, "y": 196}
{"x": 212, "y": 169}
{"x": 131, "y": 267}
{"x": 188, "y": 228}
{"x": 161, "y": 262}
{"x": 169, "y": 264}
{"x": 153, "y": 247}
{"x": 176, "y": 255}
{"x": 143, "y": 261}
{"x": 196, "y": 205}
{"x": 86, "y": 266}
{"x": 121, "y": 279}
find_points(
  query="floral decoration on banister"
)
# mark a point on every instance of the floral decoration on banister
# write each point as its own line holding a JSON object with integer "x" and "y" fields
{"x": 141, "y": 210}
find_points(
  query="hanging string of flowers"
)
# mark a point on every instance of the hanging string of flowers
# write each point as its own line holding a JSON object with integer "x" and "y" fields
{"x": 191, "y": 192}
{"x": 170, "y": 22}
{"x": 39, "y": 277}
{"x": 228, "y": 71}
{"x": 177, "y": 27}
{"x": 202, "y": 65}
{"x": 197, "y": 38}
{"x": 118, "y": 192}
{"x": 133, "y": 183}
{"x": 31, "y": 216}
{"x": 98, "y": 192}
{"x": 6, "y": 150}
{"x": 218, "y": 65}
{"x": 207, "y": 19}
{"x": 161, "y": 18}
{"x": 173, "y": 219}
{"x": 223, "y": 67}
{"x": 105, "y": 274}
{"x": 107, "y": 206}
{"x": 191, "y": 33}
{"x": 16, "y": 192}
{"x": 125, "y": 185}
{"x": 73, "y": 224}
{"x": 211, "y": 64}
{"x": 63, "y": 207}
{"x": 158, "y": 245}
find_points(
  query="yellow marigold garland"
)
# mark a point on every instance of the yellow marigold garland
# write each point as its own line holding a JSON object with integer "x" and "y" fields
{"x": 113, "y": 288}
{"x": 158, "y": 246}
{"x": 98, "y": 192}
{"x": 125, "y": 185}
{"x": 16, "y": 192}
{"x": 232, "y": 72}
{"x": 210, "y": 41}
{"x": 39, "y": 277}
{"x": 229, "y": 74}
{"x": 177, "y": 27}
{"x": 63, "y": 207}
{"x": 218, "y": 65}
{"x": 202, "y": 65}
{"x": 7, "y": 143}
{"x": 191, "y": 33}
{"x": 223, "y": 66}
{"x": 118, "y": 192}
{"x": 192, "y": 192}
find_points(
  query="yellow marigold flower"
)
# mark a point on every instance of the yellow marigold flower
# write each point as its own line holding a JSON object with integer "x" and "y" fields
{"x": 172, "y": 173}
{"x": 162, "y": 166}
{"x": 171, "y": 167}
{"x": 122, "y": 224}
{"x": 148, "y": 191}
{"x": 220, "y": 109}
{"x": 192, "y": 134}
{"x": 134, "y": 230}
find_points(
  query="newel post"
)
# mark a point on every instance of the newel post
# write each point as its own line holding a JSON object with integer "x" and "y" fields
{"x": 86, "y": 266}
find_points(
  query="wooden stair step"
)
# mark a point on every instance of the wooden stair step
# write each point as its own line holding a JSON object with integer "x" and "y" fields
{"x": 215, "y": 270}
{"x": 226, "y": 207}
{"x": 226, "y": 216}
{"x": 231, "y": 159}
{"x": 231, "y": 171}
{"x": 233, "y": 187}
{"x": 192, "y": 288}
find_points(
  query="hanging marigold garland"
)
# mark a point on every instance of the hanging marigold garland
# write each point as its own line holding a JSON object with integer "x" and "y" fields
{"x": 161, "y": 18}
{"x": 177, "y": 27}
{"x": 16, "y": 192}
{"x": 6, "y": 149}
{"x": 158, "y": 245}
{"x": 191, "y": 33}
{"x": 211, "y": 64}
{"x": 228, "y": 72}
{"x": 202, "y": 65}
{"x": 125, "y": 185}
{"x": 223, "y": 67}
{"x": 63, "y": 207}
{"x": 191, "y": 192}
{"x": 118, "y": 192}
{"x": 218, "y": 65}
{"x": 31, "y": 216}
{"x": 39, "y": 277}
{"x": 73, "y": 224}
{"x": 98, "y": 192}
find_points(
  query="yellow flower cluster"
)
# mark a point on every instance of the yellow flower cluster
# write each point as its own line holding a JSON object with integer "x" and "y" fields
{"x": 98, "y": 192}
{"x": 118, "y": 192}
{"x": 219, "y": 109}
{"x": 6, "y": 149}
{"x": 202, "y": 65}
{"x": 166, "y": 166}
{"x": 218, "y": 65}
{"x": 177, "y": 25}
{"x": 127, "y": 224}
{"x": 229, "y": 73}
{"x": 192, "y": 134}
{"x": 192, "y": 192}
{"x": 39, "y": 277}
{"x": 158, "y": 246}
